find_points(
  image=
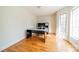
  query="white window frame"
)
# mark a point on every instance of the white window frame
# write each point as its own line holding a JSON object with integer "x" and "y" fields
{"x": 71, "y": 18}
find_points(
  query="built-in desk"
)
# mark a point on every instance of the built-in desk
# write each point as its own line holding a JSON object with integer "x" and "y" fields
{"x": 37, "y": 31}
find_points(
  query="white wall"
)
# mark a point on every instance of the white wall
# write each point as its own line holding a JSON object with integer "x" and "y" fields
{"x": 53, "y": 23}
{"x": 15, "y": 21}
{"x": 42, "y": 19}
{"x": 1, "y": 24}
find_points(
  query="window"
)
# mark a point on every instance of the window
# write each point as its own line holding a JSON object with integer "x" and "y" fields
{"x": 62, "y": 25}
{"x": 74, "y": 24}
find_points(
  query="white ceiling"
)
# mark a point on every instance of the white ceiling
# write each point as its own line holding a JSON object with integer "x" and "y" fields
{"x": 44, "y": 10}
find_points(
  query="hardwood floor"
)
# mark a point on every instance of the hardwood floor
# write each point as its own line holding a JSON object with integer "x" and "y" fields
{"x": 33, "y": 44}
{"x": 37, "y": 44}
